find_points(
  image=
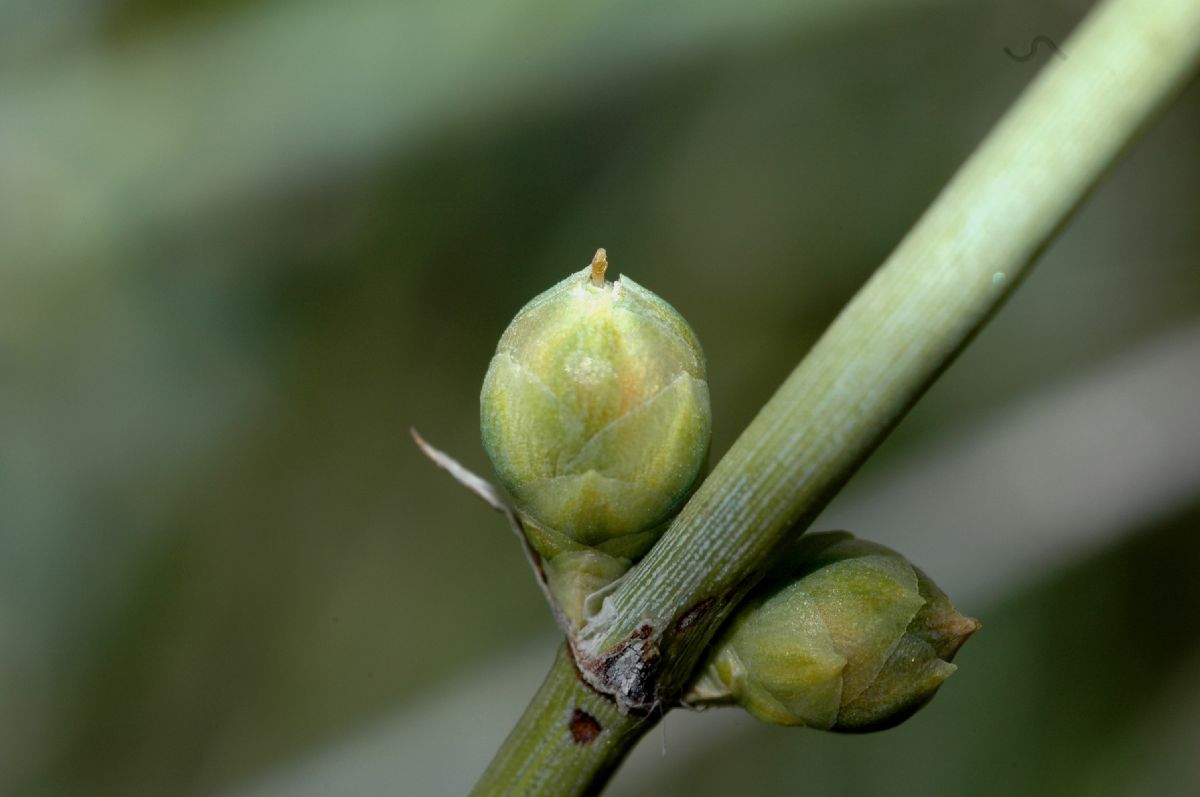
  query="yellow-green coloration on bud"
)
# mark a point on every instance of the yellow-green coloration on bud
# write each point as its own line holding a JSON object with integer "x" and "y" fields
{"x": 845, "y": 636}
{"x": 595, "y": 415}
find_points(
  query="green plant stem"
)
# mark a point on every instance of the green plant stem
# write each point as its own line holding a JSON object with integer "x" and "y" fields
{"x": 568, "y": 741}
{"x": 903, "y": 328}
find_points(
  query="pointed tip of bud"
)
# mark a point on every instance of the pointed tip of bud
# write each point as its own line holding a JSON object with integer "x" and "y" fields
{"x": 960, "y": 626}
{"x": 599, "y": 266}
{"x": 943, "y": 626}
{"x": 950, "y": 631}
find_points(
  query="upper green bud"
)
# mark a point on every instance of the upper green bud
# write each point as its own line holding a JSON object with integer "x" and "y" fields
{"x": 595, "y": 414}
{"x": 845, "y": 636}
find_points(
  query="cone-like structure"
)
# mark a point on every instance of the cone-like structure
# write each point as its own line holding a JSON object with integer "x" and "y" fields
{"x": 595, "y": 415}
{"x": 844, "y": 635}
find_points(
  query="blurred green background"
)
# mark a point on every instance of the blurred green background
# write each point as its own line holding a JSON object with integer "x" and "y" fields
{"x": 245, "y": 244}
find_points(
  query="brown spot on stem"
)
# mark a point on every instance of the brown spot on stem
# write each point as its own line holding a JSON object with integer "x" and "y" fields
{"x": 585, "y": 728}
{"x": 692, "y": 615}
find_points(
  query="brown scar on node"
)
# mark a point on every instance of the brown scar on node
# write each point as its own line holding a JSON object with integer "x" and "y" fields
{"x": 585, "y": 728}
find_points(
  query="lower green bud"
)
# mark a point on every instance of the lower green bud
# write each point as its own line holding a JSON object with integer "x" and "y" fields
{"x": 846, "y": 636}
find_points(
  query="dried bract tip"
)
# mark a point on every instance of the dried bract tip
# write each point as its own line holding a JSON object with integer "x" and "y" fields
{"x": 599, "y": 266}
